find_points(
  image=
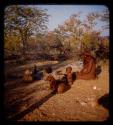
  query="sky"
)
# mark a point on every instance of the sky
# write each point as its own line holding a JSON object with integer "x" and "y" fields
{"x": 59, "y": 13}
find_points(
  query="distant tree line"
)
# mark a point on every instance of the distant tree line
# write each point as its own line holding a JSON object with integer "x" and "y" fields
{"x": 26, "y": 36}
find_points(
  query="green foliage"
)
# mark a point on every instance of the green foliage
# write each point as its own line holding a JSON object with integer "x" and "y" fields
{"x": 102, "y": 52}
{"x": 25, "y": 33}
{"x": 105, "y": 17}
{"x": 22, "y": 22}
{"x": 90, "y": 41}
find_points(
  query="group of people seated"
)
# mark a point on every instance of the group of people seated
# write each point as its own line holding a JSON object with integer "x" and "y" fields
{"x": 30, "y": 76}
{"x": 60, "y": 85}
{"x": 88, "y": 72}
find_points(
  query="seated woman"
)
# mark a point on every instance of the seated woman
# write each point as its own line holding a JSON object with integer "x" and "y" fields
{"x": 89, "y": 67}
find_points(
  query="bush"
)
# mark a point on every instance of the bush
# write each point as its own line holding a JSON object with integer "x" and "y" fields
{"x": 102, "y": 53}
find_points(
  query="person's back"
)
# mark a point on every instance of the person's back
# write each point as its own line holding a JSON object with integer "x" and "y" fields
{"x": 52, "y": 81}
{"x": 89, "y": 69}
{"x": 93, "y": 70}
{"x": 48, "y": 77}
{"x": 91, "y": 66}
{"x": 69, "y": 75}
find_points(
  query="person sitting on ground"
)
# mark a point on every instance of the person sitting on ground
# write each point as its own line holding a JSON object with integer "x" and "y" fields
{"x": 69, "y": 75}
{"x": 89, "y": 67}
{"x": 56, "y": 85}
{"x": 36, "y": 74}
{"x": 27, "y": 76}
{"x": 53, "y": 84}
{"x": 50, "y": 78}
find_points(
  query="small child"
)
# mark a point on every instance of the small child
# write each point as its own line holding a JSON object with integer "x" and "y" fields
{"x": 27, "y": 76}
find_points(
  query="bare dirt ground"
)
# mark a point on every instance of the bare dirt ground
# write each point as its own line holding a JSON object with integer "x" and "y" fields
{"x": 84, "y": 101}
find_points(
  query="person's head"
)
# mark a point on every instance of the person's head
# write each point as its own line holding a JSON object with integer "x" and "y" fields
{"x": 68, "y": 69}
{"x": 27, "y": 71}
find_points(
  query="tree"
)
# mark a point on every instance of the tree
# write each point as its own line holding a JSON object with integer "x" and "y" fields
{"x": 91, "y": 20}
{"x": 90, "y": 40}
{"x": 24, "y": 21}
{"x": 71, "y": 31}
{"x": 105, "y": 17}
{"x": 53, "y": 43}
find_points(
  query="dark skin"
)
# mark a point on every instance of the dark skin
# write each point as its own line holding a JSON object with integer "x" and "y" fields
{"x": 69, "y": 75}
{"x": 27, "y": 76}
{"x": 53, "y": 84}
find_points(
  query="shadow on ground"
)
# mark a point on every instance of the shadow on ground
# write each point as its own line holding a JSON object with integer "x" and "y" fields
{"x": 104, "y": 101}
{"x": 31, "y": 108}
{"x": 15, "y": 83}
{"x": 16, "y": 78}
{"x": 98, "y": 70}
